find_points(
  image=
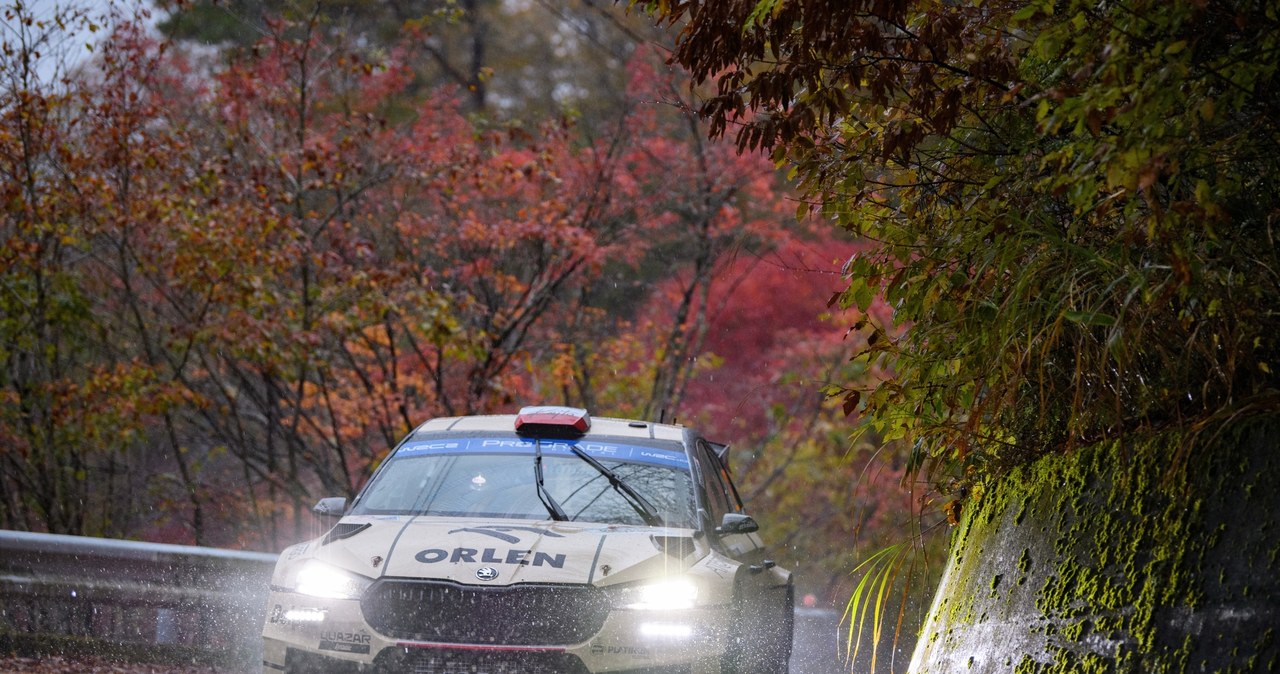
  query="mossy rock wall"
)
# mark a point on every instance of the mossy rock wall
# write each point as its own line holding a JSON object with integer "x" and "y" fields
{"x": 1146, "y": 557}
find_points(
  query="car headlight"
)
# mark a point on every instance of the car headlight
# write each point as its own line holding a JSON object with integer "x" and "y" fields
{"x": 318, "y": 579}
{"x": 671, "y": 594}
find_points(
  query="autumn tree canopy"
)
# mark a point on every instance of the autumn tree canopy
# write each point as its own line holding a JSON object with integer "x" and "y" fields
{"x": 514, "y": 60}
{"x": 228, "y": 285}
{"x": 1073, "y": 203}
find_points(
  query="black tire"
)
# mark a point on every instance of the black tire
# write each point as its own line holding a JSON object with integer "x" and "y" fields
{"x": 785, "y": 635}
{"x": 761, "y": 643}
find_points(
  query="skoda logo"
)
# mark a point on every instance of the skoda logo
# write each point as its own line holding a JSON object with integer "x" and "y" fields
{"x": 486, "y": 573}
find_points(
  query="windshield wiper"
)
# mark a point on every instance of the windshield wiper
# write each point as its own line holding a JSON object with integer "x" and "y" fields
{"x": 640, "y": 504}
{"x": 557, "y": 513}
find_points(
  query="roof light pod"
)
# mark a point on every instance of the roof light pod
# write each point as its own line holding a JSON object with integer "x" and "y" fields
{"x": 553, "y": 422}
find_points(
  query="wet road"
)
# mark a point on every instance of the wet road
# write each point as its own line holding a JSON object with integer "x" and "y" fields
{"x": 819, "y": 649}
{"x": 815, "y": 649}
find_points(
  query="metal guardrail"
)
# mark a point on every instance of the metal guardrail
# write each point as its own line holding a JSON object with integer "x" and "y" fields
{"x": 134, "y": 593}
{"x": 195, "y": 599}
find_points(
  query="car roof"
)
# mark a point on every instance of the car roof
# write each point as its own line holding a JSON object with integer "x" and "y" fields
{"x": 600, "y": 426}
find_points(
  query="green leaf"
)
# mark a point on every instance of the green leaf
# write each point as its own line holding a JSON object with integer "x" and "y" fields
{"x": 863, "y": 294}
{"x": 764, "y": 9}
{"x": 1092, "y": 318}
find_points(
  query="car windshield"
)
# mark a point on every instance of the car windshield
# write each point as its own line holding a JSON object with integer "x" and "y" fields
{"x": 494, "y": 477}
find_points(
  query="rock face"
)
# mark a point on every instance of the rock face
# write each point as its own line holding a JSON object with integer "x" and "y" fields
{"x": 1157, "y": 556}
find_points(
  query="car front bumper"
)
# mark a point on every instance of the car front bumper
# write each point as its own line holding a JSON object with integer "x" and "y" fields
{"x": 316, "y": 635}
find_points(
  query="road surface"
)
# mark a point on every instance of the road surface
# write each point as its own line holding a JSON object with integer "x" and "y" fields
{"x": 815, "y": 649}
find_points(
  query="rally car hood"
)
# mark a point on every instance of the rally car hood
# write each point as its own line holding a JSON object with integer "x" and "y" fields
{"x": 504, "y": 552}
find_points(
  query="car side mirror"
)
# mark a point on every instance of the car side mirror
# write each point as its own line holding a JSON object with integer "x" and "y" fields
{"x": 737, "y": 523}
{"x": 334, "y": 506}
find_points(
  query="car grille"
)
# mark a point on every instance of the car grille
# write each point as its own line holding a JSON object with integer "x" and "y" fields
{"x": 456, "y": 661}
{"x": 522, "y": 615}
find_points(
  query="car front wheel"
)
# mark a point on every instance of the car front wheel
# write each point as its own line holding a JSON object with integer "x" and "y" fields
{"x": 761, "y": 642}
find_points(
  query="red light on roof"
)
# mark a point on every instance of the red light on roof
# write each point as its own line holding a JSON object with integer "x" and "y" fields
{"x": 552, "y": 421}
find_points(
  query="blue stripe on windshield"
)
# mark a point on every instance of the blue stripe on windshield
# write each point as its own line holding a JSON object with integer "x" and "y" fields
{"x": 598, "y": 450}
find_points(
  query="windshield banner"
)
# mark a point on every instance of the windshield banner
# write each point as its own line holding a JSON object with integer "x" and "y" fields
{"x": 601, "y": 451}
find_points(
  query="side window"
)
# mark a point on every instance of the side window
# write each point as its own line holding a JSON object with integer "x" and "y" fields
{"x": 719, "y": 494}
{"x": 735, "y": 501}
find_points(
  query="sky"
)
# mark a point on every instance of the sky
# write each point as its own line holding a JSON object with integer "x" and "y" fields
{"x": 76, "y": 47}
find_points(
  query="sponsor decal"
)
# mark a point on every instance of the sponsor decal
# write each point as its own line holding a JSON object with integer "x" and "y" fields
{"x": 639, "y": 652}
{"x": 674, "y": 457}
{"x": 279, "y": 615}
{"x": 345, "y": 642}
{"x": 346, "y": 637}
{"x": 720, "y": 567}
{"x": 339, "y": 647}
{"x": 502, "y": 533}
{"x": 297, "y": 551}
{"x": 491, "y": 556}
{"x": 436, "y": 446}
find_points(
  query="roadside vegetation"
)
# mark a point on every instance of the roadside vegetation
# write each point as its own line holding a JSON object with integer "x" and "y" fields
{"x": 1068, "y": 206}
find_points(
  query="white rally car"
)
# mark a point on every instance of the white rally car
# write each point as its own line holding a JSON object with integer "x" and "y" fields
{"x": 540, "y": 543}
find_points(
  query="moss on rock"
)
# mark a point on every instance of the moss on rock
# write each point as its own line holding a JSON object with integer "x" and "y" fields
{"x": 1143, "y": 557}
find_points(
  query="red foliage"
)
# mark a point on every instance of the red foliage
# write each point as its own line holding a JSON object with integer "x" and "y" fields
{"x": 768, "y": 313}
{"x": 278, "y": 271}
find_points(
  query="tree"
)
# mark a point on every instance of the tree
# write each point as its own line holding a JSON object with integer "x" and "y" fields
{"x": 370, "y": 274}
{"x": 249, "y": 296}
{"x": 260, "y": 271}
{"x": 71, "y": 413}
{"x": 237, "y": 267}
{"x": 1071, "y": 203}
{"x": 703, "y": 207}
{"x": 526, "y": 61}
{"x": 822, "y": 501}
